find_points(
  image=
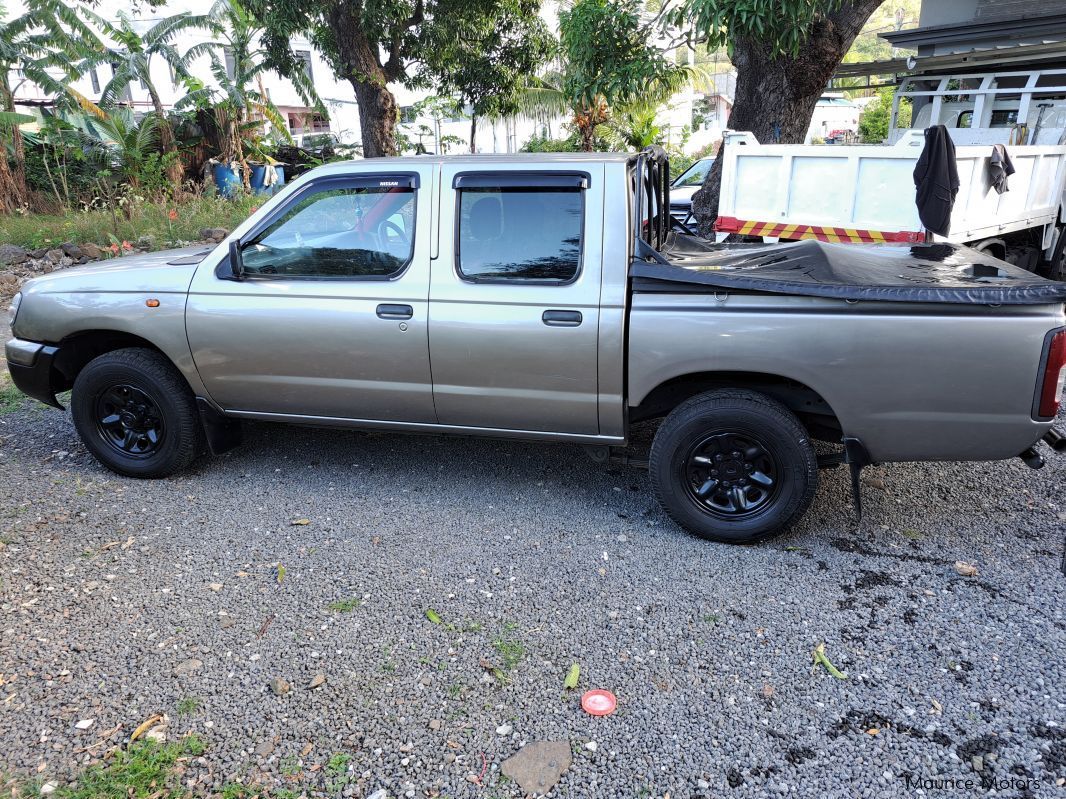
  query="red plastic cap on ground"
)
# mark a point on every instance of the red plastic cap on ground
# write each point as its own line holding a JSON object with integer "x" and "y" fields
{"x": 599, "y": 702}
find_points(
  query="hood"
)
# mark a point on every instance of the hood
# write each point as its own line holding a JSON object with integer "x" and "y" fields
{"x": 163, "y": 272}
{"x": 683, "y": 194}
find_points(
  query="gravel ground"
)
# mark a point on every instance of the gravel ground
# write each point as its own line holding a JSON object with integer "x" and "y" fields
{"x": 122, "y": 599}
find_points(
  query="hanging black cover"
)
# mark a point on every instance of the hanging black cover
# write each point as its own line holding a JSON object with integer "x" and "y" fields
{"x": 936, "y": 180}
{"x": 939, "y": 272}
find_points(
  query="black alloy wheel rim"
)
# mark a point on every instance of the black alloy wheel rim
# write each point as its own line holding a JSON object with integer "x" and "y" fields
{"x": 129, "y": 421}
{"x": 730, "y": 474}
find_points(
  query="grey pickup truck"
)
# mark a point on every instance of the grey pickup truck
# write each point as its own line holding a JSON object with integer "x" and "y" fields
{"x": 552, "y": 298}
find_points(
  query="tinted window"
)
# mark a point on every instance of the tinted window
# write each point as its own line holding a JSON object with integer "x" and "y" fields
{"x": 520, "y": 233}
{"x": 352, "y": 232}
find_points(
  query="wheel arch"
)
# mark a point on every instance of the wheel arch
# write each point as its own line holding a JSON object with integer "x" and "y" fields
{"x": 78, "y": 349}
{"x": 812, "y": 409}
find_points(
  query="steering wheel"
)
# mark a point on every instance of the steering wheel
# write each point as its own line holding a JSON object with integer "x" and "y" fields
{"x": 390, "y": 234}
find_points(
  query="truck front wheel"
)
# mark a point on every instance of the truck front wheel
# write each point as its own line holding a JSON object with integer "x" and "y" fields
{"x": 135, "y": 413}
{"x": 733, "y": 466}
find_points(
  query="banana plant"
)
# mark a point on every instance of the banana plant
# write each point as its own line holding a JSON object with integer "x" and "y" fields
{"x": 40, "y": 46}
{"x": 238, "y": 100}
{"x": 130, "y": 54}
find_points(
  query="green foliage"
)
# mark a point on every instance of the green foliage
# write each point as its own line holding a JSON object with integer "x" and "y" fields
{"x": 62, "y": 160}
{"x": 876, "y": 117}
{"x": 606, "y": 62}
{"x": 238, "y": 94}
{"x": 679, "y": 161}
{"x": 546, "y": 144}
{"x": 144, "y": 770}
{"x": 139, "y": 218}
{"x": 510, "y": 649}
{"x": 131, "y": 149}
{"x": 465, "y": 46}
{"x": 43, "y": 45}
{"x": 868, "y": 45}
{"x": 11, "y": 398}
{"x": 129, "y": 53}
{"x": 635, "y": 127}
{"x": 784, "y": 25}
{"x": 486, "y": 66}
{"x": 610, "y": 56}
{"x": 188, "y": 705}
{"x": 345, "y": 605}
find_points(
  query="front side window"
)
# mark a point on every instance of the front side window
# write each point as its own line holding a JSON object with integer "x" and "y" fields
{"x": 520, "y": 233}
{"x": 338, "y": 233}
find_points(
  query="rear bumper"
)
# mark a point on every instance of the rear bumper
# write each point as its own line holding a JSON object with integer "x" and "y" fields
{"x": 32, "y": 370}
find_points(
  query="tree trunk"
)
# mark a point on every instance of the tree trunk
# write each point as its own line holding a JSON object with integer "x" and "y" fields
{"x": 167, "y": 143}
{"x": 776, "y": 95}
{"x": 13, "y": 190}
{"x": 473, "y": 133}
{"x": 360, "y": 64}
{"x": 588, "y": 118}
{"x": 377, "y": 118}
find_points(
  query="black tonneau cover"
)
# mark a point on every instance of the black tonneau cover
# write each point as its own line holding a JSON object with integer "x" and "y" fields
{"x": 885, "y": 272}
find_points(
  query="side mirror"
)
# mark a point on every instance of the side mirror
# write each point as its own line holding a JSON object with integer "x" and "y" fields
{"x": 236, "y": 260}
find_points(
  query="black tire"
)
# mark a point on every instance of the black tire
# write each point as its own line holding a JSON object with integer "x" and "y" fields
{"x": 136, "y": 415}
{"x": 747, "y": 498}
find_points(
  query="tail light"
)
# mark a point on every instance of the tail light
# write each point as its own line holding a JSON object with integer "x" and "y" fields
{"x": 1054, "y": 374}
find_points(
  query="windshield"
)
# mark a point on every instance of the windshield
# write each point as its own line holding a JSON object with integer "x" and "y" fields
{"x": 695, "y": 174}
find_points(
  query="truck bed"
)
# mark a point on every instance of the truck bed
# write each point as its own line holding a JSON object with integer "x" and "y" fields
{"x": 916, "y": 273}
{"x": 865, "y": 193}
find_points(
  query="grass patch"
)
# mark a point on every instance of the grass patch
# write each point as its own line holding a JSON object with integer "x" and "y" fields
{"x": 345, "y": 605}
{"x": 11, "y": 398}
{"x": 337, "y": 772}
{"x": 145, "y": 769}
{"x": 510, "y": 650}
{"x": 150, "y": 220}
{"x": 188, "y": 705}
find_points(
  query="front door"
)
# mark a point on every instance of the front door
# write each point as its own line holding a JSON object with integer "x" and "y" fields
{"x": 514, "y": 298}
{"x": 329, "y": 318}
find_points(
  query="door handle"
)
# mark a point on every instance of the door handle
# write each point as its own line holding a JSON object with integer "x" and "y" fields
{"x": 386, "y": 311}
{"x": 561, "y": 318}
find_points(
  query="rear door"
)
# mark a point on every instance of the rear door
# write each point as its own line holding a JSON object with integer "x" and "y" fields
{"x": 514, "y": 298}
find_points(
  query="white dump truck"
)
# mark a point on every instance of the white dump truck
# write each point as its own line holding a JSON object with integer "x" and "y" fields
{"x": 865, "y": 193}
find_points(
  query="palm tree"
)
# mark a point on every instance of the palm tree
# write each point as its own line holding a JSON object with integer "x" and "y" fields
{"x": 39, "y": 46}
{"x": 125, "y": 144}
{"x": 130, "y": 55}
{"x": 634, "y": 127}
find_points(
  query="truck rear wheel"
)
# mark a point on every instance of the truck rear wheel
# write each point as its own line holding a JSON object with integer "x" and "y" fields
{"x": 136, "y": 415}
{"x": 733, "y": 466}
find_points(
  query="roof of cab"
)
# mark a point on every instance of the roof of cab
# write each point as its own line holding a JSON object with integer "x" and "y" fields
{"x": 484, "y": 159}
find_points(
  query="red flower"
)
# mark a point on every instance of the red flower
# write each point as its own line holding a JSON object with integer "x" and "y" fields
{"x": 254, "y": 209}
{"x": 172, "y": 215}
{"x": 127, "y": 246}
{"x": 113, "y": 248}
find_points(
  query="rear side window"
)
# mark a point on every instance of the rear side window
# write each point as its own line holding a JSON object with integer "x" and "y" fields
{"x": 530, "y": 233}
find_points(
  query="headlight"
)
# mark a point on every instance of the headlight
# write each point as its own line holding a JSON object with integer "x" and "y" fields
{"x": 14, "y": 310}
